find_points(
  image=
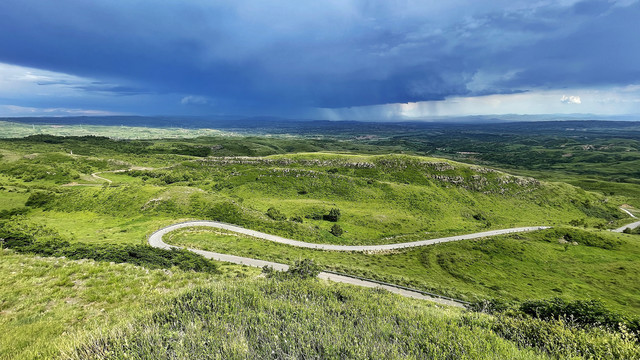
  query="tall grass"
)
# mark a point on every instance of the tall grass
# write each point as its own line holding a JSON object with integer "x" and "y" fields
{"x": 275, "y": 319}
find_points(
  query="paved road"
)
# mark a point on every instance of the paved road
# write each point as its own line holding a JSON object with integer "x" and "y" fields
{"x": 278, "y": 239}
{"x": 155, "y": 240}
{"x": 630, "y": 226}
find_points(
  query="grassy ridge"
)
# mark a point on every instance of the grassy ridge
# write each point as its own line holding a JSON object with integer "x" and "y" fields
{"x": 382, "y": 198}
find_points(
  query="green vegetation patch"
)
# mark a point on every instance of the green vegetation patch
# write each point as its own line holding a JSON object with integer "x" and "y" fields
{"x": 49, "y": 304}
{"x": 141, "y": 255}
{"x": 301, "y": 319}
{"x": 537, "y": 265}
{"x": 283, "y": 318}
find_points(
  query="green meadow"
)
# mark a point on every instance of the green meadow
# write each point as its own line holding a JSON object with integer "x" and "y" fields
{"x": 56, "y": 206}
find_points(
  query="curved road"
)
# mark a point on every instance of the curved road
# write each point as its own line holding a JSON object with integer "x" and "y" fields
{"x": 633, "y": 225}
{"x": 157, "y": 236}
{"x": 155, "y": 240}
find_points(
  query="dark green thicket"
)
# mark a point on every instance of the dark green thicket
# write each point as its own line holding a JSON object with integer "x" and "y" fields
{"x": 141, "y": 255}
{"x": 581, "y": 312}
{"x": 336, "y": 230}
{"x": 635, "y": 231}
{"x": 581, "y": 237}
{"x": 577, "y": 314}
{"x": 301, "y": 269}
{"x": 6, "y": 214}
{"x": 333, "y": 215}
{"x": 39, "y": 199}
{"x": 276, "y": 214}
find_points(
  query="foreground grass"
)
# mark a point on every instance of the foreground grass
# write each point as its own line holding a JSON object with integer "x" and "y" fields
{"x": 301, "y": 319}
{"x": 46, "y": 304}
{"x": 308, "y": 319}
{"x": 516, "y": 267}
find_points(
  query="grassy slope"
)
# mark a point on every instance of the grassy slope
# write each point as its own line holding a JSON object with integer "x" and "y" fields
{"x": 77, "y": 301}
{"x": 391, "y": 199}
{"x": 517, "y": 267}
{"x": 303, "y": 319}
{"x": 47, "y": 302}
{"x": 127, "y": 213}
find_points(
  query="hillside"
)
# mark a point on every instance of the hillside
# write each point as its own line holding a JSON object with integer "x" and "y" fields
{"x": 98, "y": 198}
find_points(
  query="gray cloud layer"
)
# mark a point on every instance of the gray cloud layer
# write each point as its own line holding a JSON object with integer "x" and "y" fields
{"x": 279, "y": 54}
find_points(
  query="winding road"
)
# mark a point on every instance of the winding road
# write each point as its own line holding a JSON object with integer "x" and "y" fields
{"x": 633, "y": 225}
{"x": 155, "y": 240}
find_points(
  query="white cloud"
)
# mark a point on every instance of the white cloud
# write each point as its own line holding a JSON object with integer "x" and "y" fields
{"x": 195, "y": 100}
{"x": 14, "y": 110}
{"x": 570, "y": 99}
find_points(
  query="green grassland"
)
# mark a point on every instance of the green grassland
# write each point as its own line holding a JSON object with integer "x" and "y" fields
{"x": 307, "y": 319}
{"x": 93, "y": 310}
{"x": 50, "y": 303}
{"x": 601, "y": 265}
{"x": 382, "y": 198}
{"x": 47, "y": 188}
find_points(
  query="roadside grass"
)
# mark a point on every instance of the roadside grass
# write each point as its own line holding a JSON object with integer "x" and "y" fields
{"x": 309, "y": 319}
{"x": 513, "y": 268}
{"x": 48, "y": 304}
{"x": 301, "y": 319}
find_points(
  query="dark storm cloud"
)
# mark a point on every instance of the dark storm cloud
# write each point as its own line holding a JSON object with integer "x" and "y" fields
{"x": 281, "y": 54}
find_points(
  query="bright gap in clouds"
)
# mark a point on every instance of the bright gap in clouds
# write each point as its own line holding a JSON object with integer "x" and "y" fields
{"x": 609, "y": 101}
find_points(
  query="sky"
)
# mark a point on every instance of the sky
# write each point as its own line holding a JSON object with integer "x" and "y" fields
{"x": 331, "y": 59}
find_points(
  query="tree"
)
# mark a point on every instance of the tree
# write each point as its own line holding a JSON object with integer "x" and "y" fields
{"x": 336, "y": 230}
{"x": 333, "y": 216}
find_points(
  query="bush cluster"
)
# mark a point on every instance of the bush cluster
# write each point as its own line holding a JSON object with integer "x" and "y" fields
{"x": 276, "y": 214}
{"x": 333, "y": 215}
{"x": 583, "y": 313}
{"x": 301, "y": 269}
{"x": 577, "y": 314}
{"x": 141, "y": 255}
{"x": 336, "y": 230}
{"x": 8, "y": 213}
{"x": 582, "y": 237}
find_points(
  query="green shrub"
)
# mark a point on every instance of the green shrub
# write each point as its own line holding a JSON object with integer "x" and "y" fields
{"x": 336, "y": 230}
{"x": 561, "y": 341}
{"x": 276, "y": 214}
{"x": 304, "y": 269}
{"x": 39, "y": 199}
{"x": 315, "y": 216}
{"x": 333, "y": 216}
{"x": 301, "y": 269}
{"x": 579, "y": 312}
{"x": 582, "y": 237}
{"x": 141, "y": 255}
{"x": 490, "y": 306}
{"x": 6, "y": 214}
